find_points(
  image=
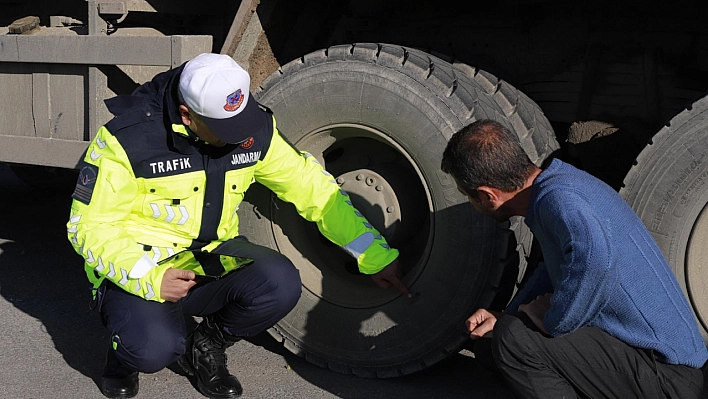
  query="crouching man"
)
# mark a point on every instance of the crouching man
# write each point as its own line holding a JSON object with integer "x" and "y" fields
{"x": 603, "y": 316}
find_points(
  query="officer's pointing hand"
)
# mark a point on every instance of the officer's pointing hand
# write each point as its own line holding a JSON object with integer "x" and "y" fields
{"x": 391, "y": 276}
{"x": 176, "y": 284}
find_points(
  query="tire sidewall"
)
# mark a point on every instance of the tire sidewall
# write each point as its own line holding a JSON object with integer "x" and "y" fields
{"x": 417, "y": 120}
{"x": 668, "y": 189}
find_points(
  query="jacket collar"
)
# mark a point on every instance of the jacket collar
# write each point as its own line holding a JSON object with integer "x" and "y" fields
{"x": 180, "y": 138}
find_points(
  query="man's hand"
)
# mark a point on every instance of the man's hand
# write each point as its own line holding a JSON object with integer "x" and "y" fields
{"x": 176, "y": 284}
{"x": 481, "y": 322}
{"x": 391, "y": 276}
{"x": 537, "y": 309}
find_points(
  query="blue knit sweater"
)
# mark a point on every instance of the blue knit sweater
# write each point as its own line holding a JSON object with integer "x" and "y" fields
{"x": 604, "y": 269}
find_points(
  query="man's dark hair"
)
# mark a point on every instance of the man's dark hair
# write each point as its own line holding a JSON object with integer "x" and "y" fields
{"x": 485, "y": 153}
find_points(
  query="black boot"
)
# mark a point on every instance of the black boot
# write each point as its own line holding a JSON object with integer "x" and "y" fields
{"x": 118, "y": 381}
{"x": 205, "y": 359}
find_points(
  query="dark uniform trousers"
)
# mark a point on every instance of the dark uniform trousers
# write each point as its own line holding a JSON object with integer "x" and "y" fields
{"x": 149, "y": 335}
{"x": 587, "y": 363}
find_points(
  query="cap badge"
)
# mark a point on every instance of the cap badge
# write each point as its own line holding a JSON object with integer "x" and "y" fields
{"x": 234, "y": 101}
{"x": 248, "y": 143}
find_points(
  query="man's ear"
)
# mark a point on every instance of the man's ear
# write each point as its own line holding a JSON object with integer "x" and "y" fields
{"x": 489, "y": 196}
{"x": 185, "y": 115}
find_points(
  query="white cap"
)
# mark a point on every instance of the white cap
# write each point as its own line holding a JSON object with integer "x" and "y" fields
{"x": 216, "y": 88}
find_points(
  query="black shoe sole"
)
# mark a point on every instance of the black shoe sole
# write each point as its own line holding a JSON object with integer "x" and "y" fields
{"x": 119, "y": 395}
{"x": 204, "y": 391}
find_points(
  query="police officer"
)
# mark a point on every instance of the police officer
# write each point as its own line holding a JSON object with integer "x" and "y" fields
{"x": 154, "y": 216}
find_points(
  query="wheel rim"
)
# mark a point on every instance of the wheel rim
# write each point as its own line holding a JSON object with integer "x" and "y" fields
{"x": 696, "y": 273}
{"x": 386, "y": 186}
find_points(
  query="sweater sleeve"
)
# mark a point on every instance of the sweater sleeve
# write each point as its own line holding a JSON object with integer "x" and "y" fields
{"x": 588, "y": 274}
{"x": 538, "y": 284}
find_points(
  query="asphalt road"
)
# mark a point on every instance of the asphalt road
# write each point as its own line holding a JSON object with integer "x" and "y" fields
{"x": 53, "y": 346}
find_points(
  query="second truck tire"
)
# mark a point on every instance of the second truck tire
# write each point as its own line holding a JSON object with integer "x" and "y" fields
{"x": 668, "y": 189}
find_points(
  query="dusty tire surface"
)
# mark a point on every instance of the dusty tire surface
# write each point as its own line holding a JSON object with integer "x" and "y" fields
{"x": 668, "y": 189}
{"x": 378, "y": 117}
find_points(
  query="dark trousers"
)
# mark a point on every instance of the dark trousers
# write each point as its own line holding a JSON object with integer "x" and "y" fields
{"x": 588, "y": 363}
{"x": 149, "y": 335}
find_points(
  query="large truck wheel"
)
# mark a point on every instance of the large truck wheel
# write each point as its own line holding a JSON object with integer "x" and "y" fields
{"x": 668, "y": 188}
{"x": 378, "y": 117}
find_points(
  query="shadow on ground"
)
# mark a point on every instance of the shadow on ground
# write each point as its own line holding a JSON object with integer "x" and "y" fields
{"x": 42, "y": 276}
{"x": 458, "y": 376}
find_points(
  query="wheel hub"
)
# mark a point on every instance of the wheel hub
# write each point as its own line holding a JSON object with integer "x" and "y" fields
{"x": 374, "y": 197}
{"x": 385, "y": 186}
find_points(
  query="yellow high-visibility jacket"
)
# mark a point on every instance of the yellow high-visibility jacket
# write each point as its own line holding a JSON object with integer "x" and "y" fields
{"x": 147, "y": 189}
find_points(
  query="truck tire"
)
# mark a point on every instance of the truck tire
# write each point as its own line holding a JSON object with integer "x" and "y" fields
{"x": 378, "y": 118}
{"x": 668, "y": 188}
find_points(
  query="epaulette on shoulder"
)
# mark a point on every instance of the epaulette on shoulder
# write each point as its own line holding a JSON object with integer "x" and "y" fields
{"x": 128, "y": 111}
{"x": 129, "y": 119}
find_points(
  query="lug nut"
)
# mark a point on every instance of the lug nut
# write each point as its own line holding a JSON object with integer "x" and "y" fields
{"x": 378, "y": 188}
{"x": 370, "y": 181}
{"x": 389, "y": 209}
{"x": 359, "y": 176}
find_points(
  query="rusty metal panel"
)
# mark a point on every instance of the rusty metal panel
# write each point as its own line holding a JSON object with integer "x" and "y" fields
{"x": 41, "y": 151}
{"x": 66, "y": 103}
{"x": 15, "y": 101}
{"x": 53, "y": 88}
{"x": 42, "y": 100}
{"x": 113, "y": 7}
{"x": 184, "y": 48}
{"x": 101, "y": 50}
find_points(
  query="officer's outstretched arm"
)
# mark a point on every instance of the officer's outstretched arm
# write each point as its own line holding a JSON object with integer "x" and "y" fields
{"x": 297, "y": 177}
